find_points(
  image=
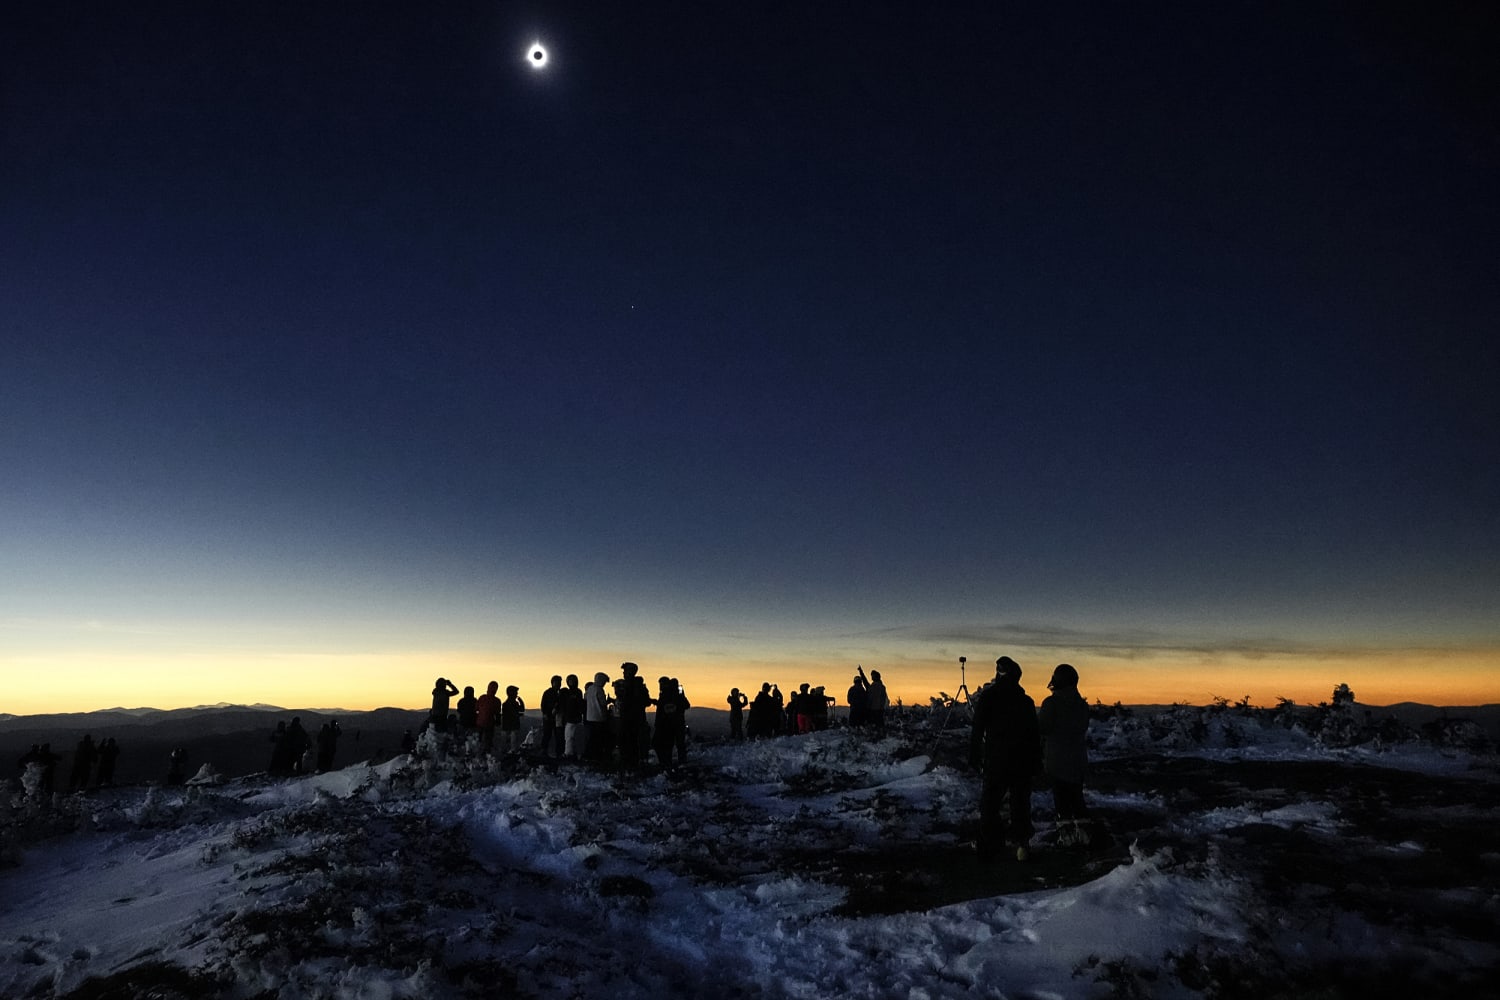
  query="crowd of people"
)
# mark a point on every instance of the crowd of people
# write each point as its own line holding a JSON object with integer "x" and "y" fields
{"x": 605, "y": 723}
{"x": 294, "y": 752}
{"x": 598, "y": 722}
{"x": 93, "y": 765}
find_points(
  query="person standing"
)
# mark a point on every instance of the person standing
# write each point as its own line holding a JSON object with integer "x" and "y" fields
{"x": 669, "y": 721}
{"x": 84, "y": 756}
{"x": 511, "y": 712}
{"x": 442, "y": 691}
{"x": 571, "y": 714}
{"x": 1063, "y": 721}
{"x": 109, "y": 752}
{"x": 468, "y": 713}
{"x": 1005, "y": 744}
{"x": 737, "y": 703}
{"x": 876, "y": 700}
{"x": 858, "y": 696}
{"x": 596, "y": 718}
{"x": 631, "y": 701}
{"x": 550, "y": 731}
{"x": 487, "y": 715}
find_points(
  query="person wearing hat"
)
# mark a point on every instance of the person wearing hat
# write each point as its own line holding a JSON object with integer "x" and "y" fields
{"x": 1005, "y": 745}
{"x": 1064, "y": 723}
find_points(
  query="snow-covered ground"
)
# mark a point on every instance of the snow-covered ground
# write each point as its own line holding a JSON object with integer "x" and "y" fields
{"x": 833, "y": 864}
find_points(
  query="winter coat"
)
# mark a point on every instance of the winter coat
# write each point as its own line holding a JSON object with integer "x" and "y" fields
{"x": 1064, "y": 724}
{"x": 1005, "y": 737}
{"x": 596, "y": 703}
{"x": 572, "y": 706}
{"x": 486, "y": 710}
{"x": 468, "y": 711}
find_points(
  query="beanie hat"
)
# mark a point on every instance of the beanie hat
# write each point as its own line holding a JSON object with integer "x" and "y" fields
{"x": 1006, "y": 667}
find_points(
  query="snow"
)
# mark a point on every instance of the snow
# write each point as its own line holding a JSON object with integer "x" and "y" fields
{"x": 742, "y": 874}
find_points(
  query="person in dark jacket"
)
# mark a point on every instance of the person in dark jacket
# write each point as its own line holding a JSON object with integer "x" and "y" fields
{"x": 281, "y": 751}
{"x": 571, "y": 713}
{"x": 670, "y": 721}
{"x": 109, "y": 752}
{"x": 1005, "y": 744}
{"x": 512, "y": 712}
{"x": 442, "y": 690}
{"x": 328, "y": 744}
{"x": 551, "y": 732}
{"x": 737, "y": 703}
{"x": 631, "y": 701}
{"x": 487, "y": 716}
{"x": 1064, "y": 723}
{"x": 298, "y": 743}
{"x": 468, "y": 713}
{"x": 84, "y": 756}
{"x": 858, "y": 696}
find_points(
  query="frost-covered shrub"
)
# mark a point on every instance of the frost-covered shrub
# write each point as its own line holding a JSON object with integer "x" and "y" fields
{"x": 1457, "y": 733}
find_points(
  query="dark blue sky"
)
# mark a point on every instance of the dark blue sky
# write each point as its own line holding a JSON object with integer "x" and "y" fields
{"x": 801, "y": 321}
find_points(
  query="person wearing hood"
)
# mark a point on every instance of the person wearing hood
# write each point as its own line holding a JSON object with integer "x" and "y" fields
{"x": 1064, "y": 723}
{"x": 1005, "y": 744}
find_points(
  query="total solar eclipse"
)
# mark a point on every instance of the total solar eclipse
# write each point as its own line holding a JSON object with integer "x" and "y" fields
{"x": 536, "y": 56}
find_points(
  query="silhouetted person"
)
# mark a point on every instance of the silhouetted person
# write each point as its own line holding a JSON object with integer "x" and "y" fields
{"x": 328, "y": 744}
{"x": 631, "y": 701}
{"x": 443, "y": 691}
{"x": 1006, "y": 745}
{"x": 819, "y": 703}
{"x": 763, "y": 713}
{"x": 1063, "y": 721}
{"x": 49, "y": 761}
{"x": 298, "y": 743}
{"x": 669, "y": 721}
{"x": 737, "y": 703}
{"x": 109, "y": 752}
{"x": 596, "y": 718}
{"x": 281, "y": 751}
{"x": 177, "y": 771}
{"x": 799, "y": 708}
{"x": 487, "y": 716}
{"x": 570, "y": 711}
{"x": 468, "y": 713}
{"x": 876, "y": 700}
{"x": 551, "y": 733}
{"x": 684, "y": 705}
{"x": 512, "y": 709}
{"x": 858, "y": 698}
{"x": 84, "y": 756}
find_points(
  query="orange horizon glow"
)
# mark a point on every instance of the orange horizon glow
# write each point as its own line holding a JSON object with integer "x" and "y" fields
{"x": 44, "y": 683}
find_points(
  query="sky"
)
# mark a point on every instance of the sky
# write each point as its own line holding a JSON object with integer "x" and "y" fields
{"x": 344, "y": 347}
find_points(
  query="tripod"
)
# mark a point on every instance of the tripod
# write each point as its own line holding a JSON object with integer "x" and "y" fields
{"x": 963, "y": 689}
